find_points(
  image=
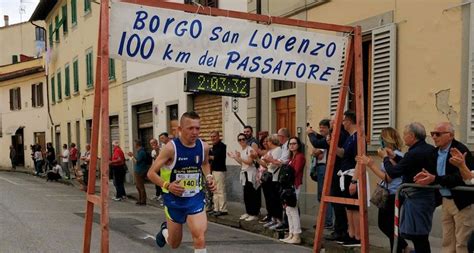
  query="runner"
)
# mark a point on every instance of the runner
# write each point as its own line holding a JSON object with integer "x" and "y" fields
{"x": 187, "y": 158}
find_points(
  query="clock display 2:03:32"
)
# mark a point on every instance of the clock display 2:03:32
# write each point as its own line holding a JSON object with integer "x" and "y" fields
{"x": 231, "y": 85}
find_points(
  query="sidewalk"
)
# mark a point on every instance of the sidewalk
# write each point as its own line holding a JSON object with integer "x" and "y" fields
{"x": 378, "y": 241}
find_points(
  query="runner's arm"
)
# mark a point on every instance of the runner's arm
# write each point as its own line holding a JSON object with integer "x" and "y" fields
{"x": 166, "y": 154}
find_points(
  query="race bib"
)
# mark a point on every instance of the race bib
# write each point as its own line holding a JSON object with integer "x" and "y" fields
{"x": 190, "y": 182}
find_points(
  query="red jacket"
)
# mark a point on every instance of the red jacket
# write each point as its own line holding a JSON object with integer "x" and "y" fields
{"x": 298, "y": 162}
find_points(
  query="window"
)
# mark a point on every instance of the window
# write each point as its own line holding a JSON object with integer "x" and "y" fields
{"x": 88, "y": 130}
{"x": 56, "y": 33}
{"x": 53, "y": 95}
{"x": 51, "y": 34}
{"x": 58, "y": 79}
{"x": 75, "y": 70}
{"x": 74, "y": 12}
{"x": 37, "y": 95}
{"x": 64, "y": 19}
{"x": 67, "y": 89}
{"x": 89, "y": 69}
{"x": 279, "y": 85}
{"x": 205, "y": 3}
{"x": 379, "y": 59}
{"x": 111, "y": 69}
{"x": 15, "y": 99}
{"x": 39, "y": 34}
{"x": 87, "y": 6}
{"x": 78, "y": 135}
{"x": 14, "y": 58}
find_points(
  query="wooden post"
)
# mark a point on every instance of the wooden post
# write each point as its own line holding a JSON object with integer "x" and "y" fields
{"x": 359, "y": 97}
{"x": 101, "y": 108}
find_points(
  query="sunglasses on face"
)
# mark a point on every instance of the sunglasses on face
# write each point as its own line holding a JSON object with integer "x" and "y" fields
{"x": 437, "y": 134}
{"x": 241, "y": 139}
{"x": 293, "y": 143}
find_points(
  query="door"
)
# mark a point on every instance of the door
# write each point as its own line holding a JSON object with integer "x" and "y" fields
{"x": 114, "y": 130}
{"x": 18, "y": 143}
{"x": 286, "y": 113}
{"x": 40, "y": 138}
{"x": 144, "y": 119}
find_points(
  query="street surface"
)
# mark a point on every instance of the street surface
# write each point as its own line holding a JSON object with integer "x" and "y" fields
{"x": 40, "y": 216}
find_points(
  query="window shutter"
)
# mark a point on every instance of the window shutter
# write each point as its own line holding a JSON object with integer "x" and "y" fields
{"x": 40, "y": 95}
{"x": 33, "y": 95}
{"x": 18, "y": 94}
{"x": 470, "y": 113}
{"x": 383, "y": 81}
{"x": 334, "y": 96}
{"x": 11, "y": 99}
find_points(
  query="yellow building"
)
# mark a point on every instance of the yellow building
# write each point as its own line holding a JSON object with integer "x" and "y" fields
{"x": 23, "y": 110}
{"x": 72, "y": 32}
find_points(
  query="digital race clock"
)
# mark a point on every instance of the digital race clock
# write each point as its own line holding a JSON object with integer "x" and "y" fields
{"x": 224, "y": 85}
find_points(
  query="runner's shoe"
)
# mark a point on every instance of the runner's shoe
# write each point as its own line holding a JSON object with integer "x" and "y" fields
{"x": 160, "y": 239}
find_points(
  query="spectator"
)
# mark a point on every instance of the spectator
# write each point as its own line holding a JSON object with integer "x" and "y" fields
{"x": 55, "y": 173}
{"x": 390, "y": 142}
{"x": 297, "y": 163}
{"x": 419, "y": 204}
{"x": 118, "y": 170}
{"x": 13, "y": 157}
{"x": 218, "y": 168}
{"x": 140, "y": 171}
{"x": 38, "y": 157}
{"x": 340, "y": 218}
{"x": 251, "y": 141}
{"x": 155, "y": 151}
{"x": 73, "y": 155}
{"x": 65, "y": 161}
{"x": 457, "y": 205}
{"x": 263, "y": 150}
{"x": 271, "y": 188}
{"x": 50, "y": 155}
{"x": 349, "y": 175}
{"x": 247, "y": 178}
{"x": 85, "y": 158}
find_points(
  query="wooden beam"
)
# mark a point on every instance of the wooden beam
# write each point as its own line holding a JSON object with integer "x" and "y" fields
{"x": 243, "y": 15}
{"x": 94, "y": 199}
{"x": 339, "y": 200}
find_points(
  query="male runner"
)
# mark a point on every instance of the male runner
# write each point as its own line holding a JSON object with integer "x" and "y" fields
{"x": 187, "y": 157}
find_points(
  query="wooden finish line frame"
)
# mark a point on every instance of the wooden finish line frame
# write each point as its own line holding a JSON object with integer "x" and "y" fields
{"x": 100, "y": 120}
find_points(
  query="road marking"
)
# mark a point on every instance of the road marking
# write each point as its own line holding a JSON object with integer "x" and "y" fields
{"x": 11, "y": 182}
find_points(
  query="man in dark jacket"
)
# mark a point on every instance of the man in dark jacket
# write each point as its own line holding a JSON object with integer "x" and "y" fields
{"x": 457, "y": 214}
{"x": 418, "y": 207}
{"x": 340, "y": 221}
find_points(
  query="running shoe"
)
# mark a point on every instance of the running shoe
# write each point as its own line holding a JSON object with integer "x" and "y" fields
{"x": 160, "y": 239}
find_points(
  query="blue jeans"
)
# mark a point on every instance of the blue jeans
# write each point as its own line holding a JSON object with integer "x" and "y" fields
{"x": 321, "y": 170}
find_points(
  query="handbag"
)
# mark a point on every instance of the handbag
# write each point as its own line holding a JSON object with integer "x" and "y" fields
{"x": 267, "y": 177}
{"x": 380, "y": 195}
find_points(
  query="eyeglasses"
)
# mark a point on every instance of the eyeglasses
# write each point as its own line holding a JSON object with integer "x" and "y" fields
{"x": 241, "y": 139}
{"x": 293, "y": 143}
{"x": 437, "y": 134}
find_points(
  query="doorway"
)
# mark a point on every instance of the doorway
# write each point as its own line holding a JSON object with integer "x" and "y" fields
{"x": 286, "y": 113}
{"x": 18, "y": 144}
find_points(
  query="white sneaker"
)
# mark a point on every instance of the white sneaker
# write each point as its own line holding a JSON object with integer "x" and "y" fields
{"x": 117, "y": 199}
{"x": 244, "y": 216}
{"x": 251, "y": 218}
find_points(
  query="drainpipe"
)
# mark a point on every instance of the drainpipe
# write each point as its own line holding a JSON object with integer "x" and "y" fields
{"x": 258, "y": 88}
{"x": 47, "y": 77}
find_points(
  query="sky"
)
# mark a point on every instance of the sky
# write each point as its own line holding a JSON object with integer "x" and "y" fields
{"x": 12, "y": 9}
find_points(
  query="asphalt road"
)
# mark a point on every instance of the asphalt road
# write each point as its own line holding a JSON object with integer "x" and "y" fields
{"x": 40, "y": 216}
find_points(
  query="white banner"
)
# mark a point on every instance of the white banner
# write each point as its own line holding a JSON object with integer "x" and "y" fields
{"x": 224, "y": 45}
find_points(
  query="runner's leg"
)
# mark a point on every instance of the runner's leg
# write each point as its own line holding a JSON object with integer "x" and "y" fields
{"x": 197, "y": 224}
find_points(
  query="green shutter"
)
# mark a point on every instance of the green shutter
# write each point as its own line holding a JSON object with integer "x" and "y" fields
{"x": 111, "y": 69}
{"x": 75, "y": 69}
{"x": 53, "y": 94}
{"x": 56, "y": 21}
{"x": 64, "y": 20}
{"x": 67, "y": 89}
{"x": 87, "y": 6}
{"x": 73, "y": 12}
{"x": 51, "y": 34}
{"x": 89, "y": 70}
{"x": 58, "y": 80}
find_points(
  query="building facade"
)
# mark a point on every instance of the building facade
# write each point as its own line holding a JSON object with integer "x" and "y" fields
{"x": 72, "y": 39}
{"x": 23, "y": 110}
